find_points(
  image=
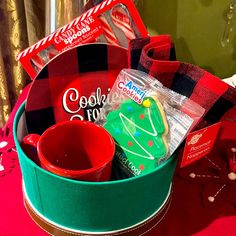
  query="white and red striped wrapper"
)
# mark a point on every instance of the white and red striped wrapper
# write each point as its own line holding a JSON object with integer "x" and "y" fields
{"x": 121, "y": 19}
{"x": 83, "y": 29}
{"x": 108, "y": 32}
{"x": 37, "y": 62}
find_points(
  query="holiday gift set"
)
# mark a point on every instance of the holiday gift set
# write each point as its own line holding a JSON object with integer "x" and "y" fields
{"x": 147, "y": 121}
{"x": 100, "y": 135}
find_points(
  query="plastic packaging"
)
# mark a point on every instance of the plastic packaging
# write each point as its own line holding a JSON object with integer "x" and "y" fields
{"x": 147, "y": 120}
{"x": 112, "y": 21}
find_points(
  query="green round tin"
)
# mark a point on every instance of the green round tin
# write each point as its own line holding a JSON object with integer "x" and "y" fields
{"x": 92, "y": 206}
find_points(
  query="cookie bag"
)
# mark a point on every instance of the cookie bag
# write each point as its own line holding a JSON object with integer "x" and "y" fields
{"x": 147, "y": 121}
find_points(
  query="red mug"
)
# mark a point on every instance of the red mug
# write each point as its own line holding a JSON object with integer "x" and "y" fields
{"x": 75, "y": 149}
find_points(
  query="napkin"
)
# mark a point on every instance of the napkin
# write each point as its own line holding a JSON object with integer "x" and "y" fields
{"x": 156, "y": 56}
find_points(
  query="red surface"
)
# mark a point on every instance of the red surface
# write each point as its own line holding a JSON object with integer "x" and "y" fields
{"x": 14, "y": 220}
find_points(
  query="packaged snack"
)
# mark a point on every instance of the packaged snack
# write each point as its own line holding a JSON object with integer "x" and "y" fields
{"x": 140, "y": 130}
{"x": 147, "y": 121}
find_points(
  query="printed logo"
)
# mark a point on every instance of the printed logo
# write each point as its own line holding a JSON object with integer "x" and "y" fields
{"x": 199, "y": 143}
{"x": 195, "y": 139}
{"x": 91, "y": 106}
{"x": 132, "y": 91}
{"x": 75, "y": 32}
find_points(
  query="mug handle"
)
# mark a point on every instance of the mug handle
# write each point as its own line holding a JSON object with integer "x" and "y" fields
{"x": 29, "y": 146}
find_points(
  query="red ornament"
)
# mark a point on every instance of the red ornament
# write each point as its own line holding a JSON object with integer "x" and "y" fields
{"x": 150, "y": 143}
{"x": 141, "y": 116}
{"x": 130, "y": 143}
{"x": 141, "y": 167}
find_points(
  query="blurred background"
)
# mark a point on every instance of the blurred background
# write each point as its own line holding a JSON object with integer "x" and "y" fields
{"x": 204, "y": 33}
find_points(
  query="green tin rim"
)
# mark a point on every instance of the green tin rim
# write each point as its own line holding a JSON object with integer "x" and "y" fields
{"x": 90, "y": 205}
{"x": 115, "y": 182}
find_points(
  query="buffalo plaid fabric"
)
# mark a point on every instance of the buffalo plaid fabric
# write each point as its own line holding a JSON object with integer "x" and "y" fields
{"x": 88, "y": 71}
{"x": 156, "y": 56}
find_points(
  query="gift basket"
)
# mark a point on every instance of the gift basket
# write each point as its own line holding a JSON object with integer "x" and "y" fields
{"x": 105, "y": 121}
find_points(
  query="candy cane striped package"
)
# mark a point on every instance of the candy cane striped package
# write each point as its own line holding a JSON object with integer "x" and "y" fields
{"x": 112, "y": 21}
